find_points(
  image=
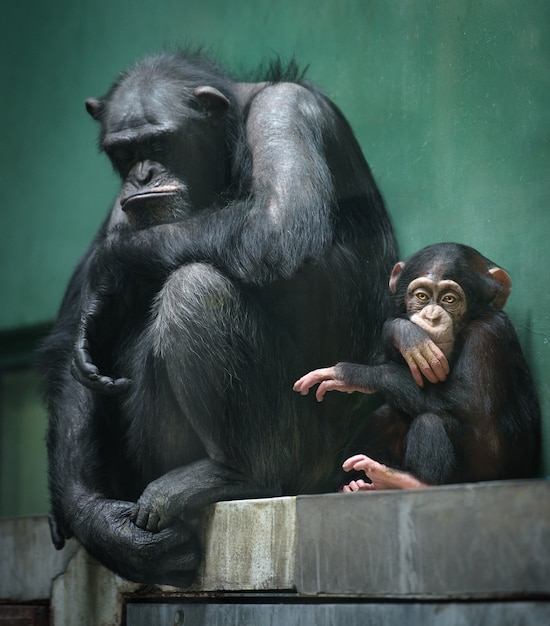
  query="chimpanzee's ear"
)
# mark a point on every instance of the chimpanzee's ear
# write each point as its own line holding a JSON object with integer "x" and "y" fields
{"x": 212, "y": 102}
{"x": 95, "y": 107}
{"x": 505, "y": 289}
{"x": 395, "y": 274}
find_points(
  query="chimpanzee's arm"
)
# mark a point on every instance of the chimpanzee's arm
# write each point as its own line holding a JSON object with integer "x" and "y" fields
{"x": 391, "y": 379}
{"x": 283, "y": 220}
{"x": 422, "y": 355}
{"x": 82, "y": 367}
{"x": 328, "y": 379}
{"x": 81, "y": 507}
{"x": 81, "y": 480}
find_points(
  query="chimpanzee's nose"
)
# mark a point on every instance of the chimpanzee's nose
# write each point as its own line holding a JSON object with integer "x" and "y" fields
{"x": 145, "y": 171}
{"x": 432, "y": 312}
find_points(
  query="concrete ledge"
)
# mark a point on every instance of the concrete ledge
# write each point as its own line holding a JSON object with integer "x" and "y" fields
{"x": 488, "y": 541}
{"x": 328, "y": 613}
{"x": 484, "y": 540}
{"x": 249, "y": 545}
{"x": 28, "y": 560}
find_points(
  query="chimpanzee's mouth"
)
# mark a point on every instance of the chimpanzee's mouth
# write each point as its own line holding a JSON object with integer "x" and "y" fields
{"x": 152, "y": 207}
{"x": 150, "y": 199}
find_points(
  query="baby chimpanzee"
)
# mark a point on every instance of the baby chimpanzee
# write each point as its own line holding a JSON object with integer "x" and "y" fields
{"x": 479, "y": 417}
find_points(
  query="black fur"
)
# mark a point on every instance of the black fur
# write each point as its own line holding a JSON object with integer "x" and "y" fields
{"x": 483, "y": 421}
{"x": 199, "y": 323}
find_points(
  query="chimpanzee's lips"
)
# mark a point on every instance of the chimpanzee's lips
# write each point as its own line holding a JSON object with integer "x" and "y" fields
{"x": 156, "y": 196}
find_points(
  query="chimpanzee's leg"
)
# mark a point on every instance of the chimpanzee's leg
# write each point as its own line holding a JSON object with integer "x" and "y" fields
{"x": 226, "y": 362}
{"x": 429, "y": 451}
{"x": 226, "y": 365}
{"x": 382, "y": 436}
{"x": 396, "y": 453}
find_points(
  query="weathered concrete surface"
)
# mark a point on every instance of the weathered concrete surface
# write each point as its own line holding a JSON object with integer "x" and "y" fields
{"x": 28, "y": 560}
{"x": 250, "y": 545}
{"x": 330, "y": 614}
{"x": 88, "y": 594}
{"x": 486, "y": 540}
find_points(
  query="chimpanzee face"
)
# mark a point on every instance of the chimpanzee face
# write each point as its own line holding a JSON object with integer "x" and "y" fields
{"x": 166, "y": 147}
{"x": 437, "y": 306}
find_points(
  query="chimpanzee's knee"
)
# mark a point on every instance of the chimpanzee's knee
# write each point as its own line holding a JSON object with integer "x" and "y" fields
{"x": 198, "y": 308}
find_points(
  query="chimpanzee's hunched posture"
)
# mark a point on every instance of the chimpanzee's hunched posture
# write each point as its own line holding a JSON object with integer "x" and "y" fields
{"x": 481, "y": 421}
{"x": 249, "y": 243}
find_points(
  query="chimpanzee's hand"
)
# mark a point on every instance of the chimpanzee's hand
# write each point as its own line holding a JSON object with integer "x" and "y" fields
{"x": 422, "y": 355}
{"x": 83, "y": 368}
{"x": 328, "y": 380}
{"x": 182, "y": 493}
{"x": 380, "y": 476}
{"x": 105, "y": 527}
{"x": 87, "y": 374}
{"x": 160, "y": 503}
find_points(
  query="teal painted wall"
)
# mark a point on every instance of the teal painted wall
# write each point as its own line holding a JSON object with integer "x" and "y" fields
{"x": 450, "y": 101}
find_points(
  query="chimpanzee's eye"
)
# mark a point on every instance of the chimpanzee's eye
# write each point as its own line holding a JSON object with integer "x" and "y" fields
{"x": 121, "y": 158}
{"x": 155, "y": 148}
{"x": 449, "y": 298}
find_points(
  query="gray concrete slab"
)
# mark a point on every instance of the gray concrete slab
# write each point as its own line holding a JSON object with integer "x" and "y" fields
{"x": 489, "y": 542}
{"x": 330, "y": 614}
{"x": 28, "y": 560}
{"x": 483, "y": 540}
{"x": 249, "y": 545}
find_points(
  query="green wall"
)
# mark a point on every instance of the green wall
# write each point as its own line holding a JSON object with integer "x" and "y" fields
{"x": 450, "y": 101}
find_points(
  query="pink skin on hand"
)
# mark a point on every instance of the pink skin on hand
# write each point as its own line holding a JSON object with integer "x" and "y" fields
{"x": 427, "y": 361}
{"x": 381, "y": 476}
{"x": 327, "y": 381}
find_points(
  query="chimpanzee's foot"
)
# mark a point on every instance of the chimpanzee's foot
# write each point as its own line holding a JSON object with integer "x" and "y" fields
{"x": 381, "y": 476}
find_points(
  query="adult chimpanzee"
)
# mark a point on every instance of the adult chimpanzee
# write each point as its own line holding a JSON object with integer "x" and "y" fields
{"x": 482, "y": 421}
{"x": 248, "y": 243}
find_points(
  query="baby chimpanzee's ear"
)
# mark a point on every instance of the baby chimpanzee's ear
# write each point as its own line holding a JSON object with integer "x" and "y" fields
{"x": 395, "y": 274}
{"x": 505, "y": 286}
